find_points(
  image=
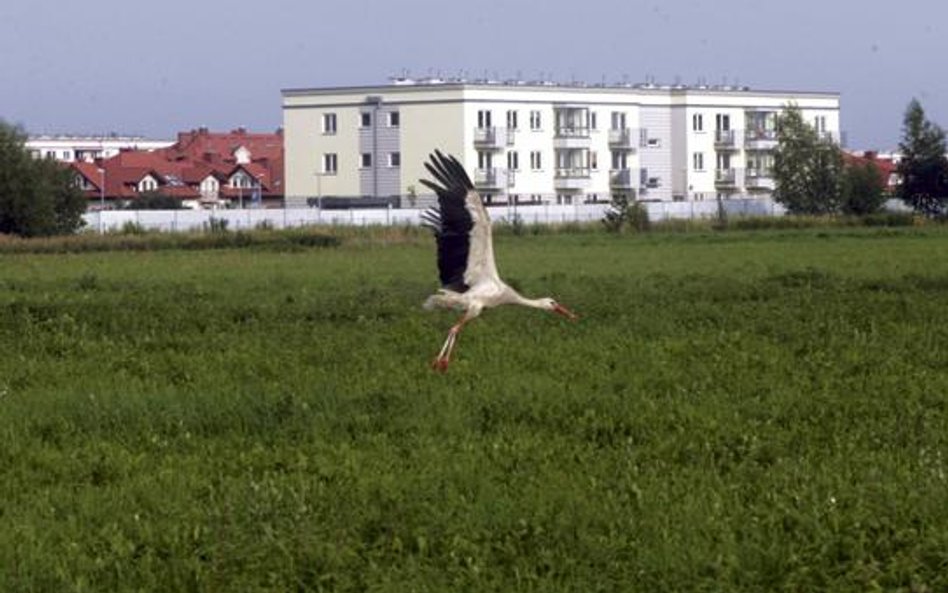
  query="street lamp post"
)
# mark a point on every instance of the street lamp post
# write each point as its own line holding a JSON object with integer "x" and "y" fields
{"x": 101, "y": 198}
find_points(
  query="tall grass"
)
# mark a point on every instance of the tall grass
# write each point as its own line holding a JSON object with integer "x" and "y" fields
{"x": 740, "y": 411}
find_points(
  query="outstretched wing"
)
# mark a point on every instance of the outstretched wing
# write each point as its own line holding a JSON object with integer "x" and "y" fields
{"x": 460, "y": 224}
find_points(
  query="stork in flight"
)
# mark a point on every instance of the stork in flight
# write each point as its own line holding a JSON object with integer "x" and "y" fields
{"x": 469, "y": 279}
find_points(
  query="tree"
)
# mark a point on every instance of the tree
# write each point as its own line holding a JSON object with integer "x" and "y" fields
{"x": 923, "y": 168}
{"x": 807, "y": 168}
{"x": 37, "y": 197}
{"x": 863, "y": 189}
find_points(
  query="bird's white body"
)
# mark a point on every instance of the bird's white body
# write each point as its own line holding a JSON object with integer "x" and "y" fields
{"x": 466, "y": 254}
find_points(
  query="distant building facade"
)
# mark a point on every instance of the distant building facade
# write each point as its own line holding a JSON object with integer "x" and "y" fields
{"x": 542, "y": 142}
{"x": 202, "y": 168}
{"x": 71, "y": 149}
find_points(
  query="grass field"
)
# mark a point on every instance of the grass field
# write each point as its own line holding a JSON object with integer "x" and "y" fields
{"x": 742, "y": 411}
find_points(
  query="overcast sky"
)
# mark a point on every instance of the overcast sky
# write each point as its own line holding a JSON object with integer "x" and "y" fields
{"x": 155, "y": 68}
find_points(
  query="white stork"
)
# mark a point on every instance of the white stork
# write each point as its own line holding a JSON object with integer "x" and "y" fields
{"x": 469, "y": 279}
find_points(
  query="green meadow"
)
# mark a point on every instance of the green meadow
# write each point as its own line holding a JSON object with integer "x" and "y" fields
{"x": 734, "y": 411}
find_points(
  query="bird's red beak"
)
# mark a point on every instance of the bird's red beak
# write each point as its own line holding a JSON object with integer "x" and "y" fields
{"x": 561, "y": 310}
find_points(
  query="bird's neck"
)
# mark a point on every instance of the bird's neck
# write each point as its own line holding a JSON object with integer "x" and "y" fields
{"x": 518, "y": 299}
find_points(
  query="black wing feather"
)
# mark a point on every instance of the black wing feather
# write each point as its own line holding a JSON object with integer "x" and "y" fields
{"x": 450, "y": 219}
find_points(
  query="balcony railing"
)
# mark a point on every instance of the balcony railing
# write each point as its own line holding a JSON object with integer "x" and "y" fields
{"x": 573, "y": 172}
{"x": 725, "y": 177}
{"x": 621, "y": 178}
{"x": 493, "y": 178}
{"x": 623, "y": 138}
{"x": 493, "y": 137}
{"x": 571, "y": 131}
{"x": 725, "y": 139}
{"x": 760, "y": 135}
{"x": 759, "y": 178}
{"x": 571, "y": 177}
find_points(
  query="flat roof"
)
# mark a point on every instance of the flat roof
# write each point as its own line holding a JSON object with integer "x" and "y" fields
{"x": 412, "y": 85}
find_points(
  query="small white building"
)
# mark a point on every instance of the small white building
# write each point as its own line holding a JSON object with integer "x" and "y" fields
{"x": 541, "y": 142}
{"x": 72, "y": 149}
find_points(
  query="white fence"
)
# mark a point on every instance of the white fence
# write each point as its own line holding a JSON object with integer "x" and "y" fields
{"x": 189, "y": 220}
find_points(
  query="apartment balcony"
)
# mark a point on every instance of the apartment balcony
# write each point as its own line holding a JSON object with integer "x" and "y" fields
{"x": 623, "y": 139}
{"x": 493, "y": 138}
{"x": 623, "y": 179}
{"x": 724, "y": 178}
{"x": 761, "y": 179}
{"x": 494, "y": 180}
{"x": 571, "y": 137}
{"x": 726, "y": 140}
{"x": 571, "y": 178}
{"x": 760, "y": 139}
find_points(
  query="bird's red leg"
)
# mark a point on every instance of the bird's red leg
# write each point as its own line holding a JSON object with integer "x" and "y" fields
{"x": 444, "y": 356}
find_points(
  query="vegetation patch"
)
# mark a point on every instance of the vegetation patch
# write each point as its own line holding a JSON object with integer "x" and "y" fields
{"x": 743, "y": 411}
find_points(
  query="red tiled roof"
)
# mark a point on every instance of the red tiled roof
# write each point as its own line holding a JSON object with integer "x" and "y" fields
{"x": 888, "y": 168}
{"x": 181, "y": 168}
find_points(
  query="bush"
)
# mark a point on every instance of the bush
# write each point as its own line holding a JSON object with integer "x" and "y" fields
{"x": 153, "y": 200}
{"x": 625, "y": 213}
{"x": 216, "y": 225}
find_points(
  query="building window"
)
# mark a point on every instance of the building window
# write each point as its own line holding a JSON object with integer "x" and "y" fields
{"x": 394, "y": 119}
{"x": 534, "y": 120}
{"x": 697, "y": 122}
{"x": 819, "y": 123}
{"x": 483, "y": 119}
{"x": 592, "y": 120}
{"x": 536, "y": 162}
{"x": 512, "y": 119}
{"x": 394, "y": 159}
{"x": 513, "y": 160}
{"x": 594, "y": 160}
{"x": 330, "y": 163}
{"x": 697, "y": 161}
{"x": 365, "y": 120}
{"x": 365, "y": 160}
{"x": 329, "y": 123}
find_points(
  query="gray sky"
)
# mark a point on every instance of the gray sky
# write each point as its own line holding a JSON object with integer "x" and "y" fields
{"x": 155, "y": 68}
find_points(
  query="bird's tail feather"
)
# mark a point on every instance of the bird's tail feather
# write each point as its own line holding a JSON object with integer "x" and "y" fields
{"x": 440, "y": 300}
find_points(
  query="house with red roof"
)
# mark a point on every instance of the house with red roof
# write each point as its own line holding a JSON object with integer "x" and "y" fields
{"x": 203, "y": 169}
{"x": 888, "y": 166}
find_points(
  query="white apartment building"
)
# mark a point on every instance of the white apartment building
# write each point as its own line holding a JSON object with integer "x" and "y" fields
{"x": 533, "y": 142}
{"x": 72, "y": 149}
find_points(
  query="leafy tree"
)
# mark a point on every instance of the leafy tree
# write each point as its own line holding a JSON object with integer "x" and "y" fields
{"x": 863, "y": 189}
{"x": 154, "y": 200}
{"x": 37, "y": 197}
{"x": 923, "y": 168}
{"x": 807, "y": 168}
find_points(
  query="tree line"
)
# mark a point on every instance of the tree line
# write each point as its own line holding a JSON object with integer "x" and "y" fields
{"x": 811, "y": 176}
{"x": 38, "y": 197}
